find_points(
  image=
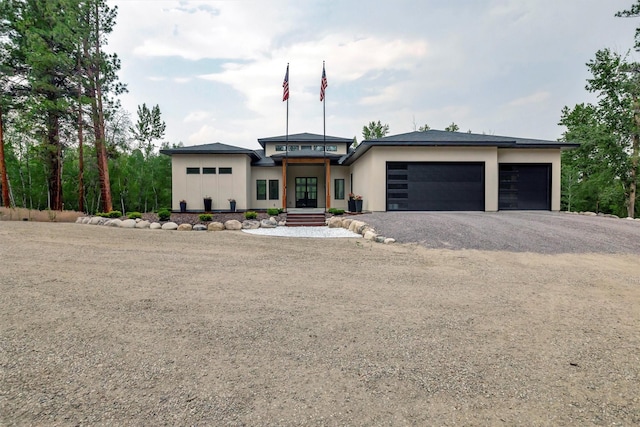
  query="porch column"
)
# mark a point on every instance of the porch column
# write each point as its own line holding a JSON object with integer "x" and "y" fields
{"x": 284, "y": 184}
{"x": 327, "y": 165}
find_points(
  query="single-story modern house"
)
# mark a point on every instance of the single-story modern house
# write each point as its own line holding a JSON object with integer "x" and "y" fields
{"x": 416, "y": 171}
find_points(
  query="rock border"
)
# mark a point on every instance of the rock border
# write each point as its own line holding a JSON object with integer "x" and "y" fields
{"x": 600, "y": 214}
{"x": 353, "y": 225}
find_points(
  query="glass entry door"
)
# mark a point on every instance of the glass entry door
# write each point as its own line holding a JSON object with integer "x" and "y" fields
{"x": 306, "y": 192}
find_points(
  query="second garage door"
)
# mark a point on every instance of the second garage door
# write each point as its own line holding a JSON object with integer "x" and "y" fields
{"x": 435, "y": 186}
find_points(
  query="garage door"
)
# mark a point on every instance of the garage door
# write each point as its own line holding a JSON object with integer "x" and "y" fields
{"x": 435, "y": 186}
{"x": 525, "y": 187}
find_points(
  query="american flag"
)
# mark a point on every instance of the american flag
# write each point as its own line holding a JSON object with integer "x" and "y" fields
{"x": 285, "y": 85}
{"x": 323, "y": 83}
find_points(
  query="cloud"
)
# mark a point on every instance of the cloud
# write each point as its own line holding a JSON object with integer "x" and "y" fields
{"x": 535, "y": 98}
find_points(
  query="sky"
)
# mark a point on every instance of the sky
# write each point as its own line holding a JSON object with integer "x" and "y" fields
{"x": 500, "y": 67}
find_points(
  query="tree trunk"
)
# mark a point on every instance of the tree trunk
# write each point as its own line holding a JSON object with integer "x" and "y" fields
{"x": 80, "y": 160}
{"x": 54, "y": 157}
{"x": 631, "y": 208}
{"x": 6, "y": 200}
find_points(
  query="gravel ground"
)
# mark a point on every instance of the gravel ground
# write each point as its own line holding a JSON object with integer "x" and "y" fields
{"x": 317, "y": 232}
{"x": 110, "y": 326}
{"x": 539, "y": 232}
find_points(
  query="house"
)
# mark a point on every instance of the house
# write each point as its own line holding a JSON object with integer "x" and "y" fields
{"x": 416, "y": 171}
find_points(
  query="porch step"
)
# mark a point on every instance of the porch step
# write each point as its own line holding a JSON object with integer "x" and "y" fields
{"x": 305, "y": 219}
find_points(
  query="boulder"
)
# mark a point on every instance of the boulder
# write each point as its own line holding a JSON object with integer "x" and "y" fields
{"x": 282, "y": 223}
{"x": 380, "y": 239}
{"x": 199, "y": 227}
{"x": 142, "y": 224}
{"x": 233, "y": 224}
{"x": 115, "y": 222}
{"x": 86, "y": 220}
{"x": 185, "y": 227}
{"x": 96, "y": 220}
{"x": 170, "y": 226}
{"x": 155, "y": 226}
{"x": 334, "y": 222}
{"x": 128, "y": 223}
{"x": 370, "y": 235}
{"x": 269, "y": 223}
{"x": 389, "y": 240}
{"x": 79, "y": 220}
{"x": 588, "y": 213}
{"x": 357, "y": 226}
{"x": 346, "y": 223}
{"x": 215, "y": 226}
{"x": 250, "y": 224}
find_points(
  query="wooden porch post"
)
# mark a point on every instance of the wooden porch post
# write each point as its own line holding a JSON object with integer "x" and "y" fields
{"x": 327, "y": 165}
{"x": 284, "y": 184}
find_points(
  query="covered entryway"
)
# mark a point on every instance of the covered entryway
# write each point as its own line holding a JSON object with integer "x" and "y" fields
{"x": 435, "y": 186}
{"x": 525, "y": 187}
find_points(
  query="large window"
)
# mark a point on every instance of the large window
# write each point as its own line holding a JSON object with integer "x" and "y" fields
{"x": 193, "y": 171}
{"x": 281, "y": 148}
{"x": 332, "y": 148}
{"x": 223, "y": 171}
{"x": 338, "y": 185}
{"x": 261, "y": 189}
{"x": 274, "y": 189}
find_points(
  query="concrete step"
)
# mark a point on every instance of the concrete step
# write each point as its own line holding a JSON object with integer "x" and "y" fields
{"x": 305, "y": 220}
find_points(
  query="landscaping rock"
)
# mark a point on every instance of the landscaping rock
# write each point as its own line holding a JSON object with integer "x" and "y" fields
{"x": 282, "y": 223}
{"x": 269, "y": 223}
{"x": 155, "y": 226}
{"x": 142, "y": 224}
{"x": 96, "y": 220}
{"x": 370, "y": 235}
{"x": 380, "y": 239}
{"x": 215, "y": 226}
{"x": 185, "y": 227}
{"x": 233, "y": 224}
{"x": 115, "y": 222}
{"x": 79, "y": 220}
{"x": 86, "y": 220}
{"x": 334, "y": 222}
{"x": 169, "y": 226}
{"x": 357, "y": 226}
{"x": 250, "y": 224}
{"x": 128, "y": 223}
{"x": 346, "y": 223}
{"x": 389, "y": 240}
{"x": 199, "y": 227}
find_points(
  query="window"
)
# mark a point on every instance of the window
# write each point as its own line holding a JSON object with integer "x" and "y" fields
{"x": 332, "y": 148}
{"x": 281, "y": 148}
{"x": 224, "y": 171}
{"x": 294, "y": 147}
{"x": 261, "y": 189}
{"x": 305, "y": 147}
{"x": 193, "y": 171}
{"x": 338, "y": 186}
{"x": 274, "y": 189}
{"x": 318, "y": 147}
{"x": 209, "y": 171}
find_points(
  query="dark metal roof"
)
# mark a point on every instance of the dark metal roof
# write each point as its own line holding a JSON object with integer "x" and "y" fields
{"x": 439, "y": 138}
{"x": 215, "y": 148}
{"x": 305, "y": 138}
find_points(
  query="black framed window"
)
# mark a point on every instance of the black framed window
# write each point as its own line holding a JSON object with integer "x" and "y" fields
{"x": 281, "y": 148}
{"x": 193, "y": 171}
{"x": 209, "y": 171}
{"x": 261, "y": 189}
{"x": 338, "y": 187}
{"x": 224, "y": 171}
{"x": 274, "y": 189}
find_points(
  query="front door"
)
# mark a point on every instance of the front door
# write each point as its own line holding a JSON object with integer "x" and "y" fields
{"x": 306, "y": 192}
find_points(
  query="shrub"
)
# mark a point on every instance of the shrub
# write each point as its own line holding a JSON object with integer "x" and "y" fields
{"x": 273, "y": 211}
{"x": 114, "y": 214}
{"x": 335, "y": 211}
{"x": 102, "y": 214}
{"x": 164, "y": 214}
{"x": 205, "y": 217}
{"x": 250, "y": 215}
{"x": 134, "y": 215}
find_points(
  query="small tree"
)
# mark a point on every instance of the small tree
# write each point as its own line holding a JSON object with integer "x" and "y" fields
{"x": 375, "y": 130}
{"x": 452, "y": 127}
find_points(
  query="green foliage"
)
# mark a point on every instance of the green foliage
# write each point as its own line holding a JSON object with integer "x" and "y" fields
{"x": 134, "y": 215}
{"x": 164, "y": 214}
{"x": 250, "y": 215}
{"x": 273, "y": 211}
{"x": 452, "y": 128}
{"x": 375, "y": 130}
{"x": 424, "y": 128}
{"x": 111, "y": 214}
{"x": 205, "y": 217}
{"x": 335, "y": 211}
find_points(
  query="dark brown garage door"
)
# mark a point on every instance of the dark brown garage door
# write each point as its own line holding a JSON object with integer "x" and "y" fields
{"x": 435, "y": 186}
{"x": 525, "y": 186}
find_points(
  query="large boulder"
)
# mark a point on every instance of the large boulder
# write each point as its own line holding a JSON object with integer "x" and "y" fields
{"x": 185, "y": 227}
{"x": 334, "y": 222}
{"x": 233, "y": 224}
{"x": 389, "y": 240}
{"x": 81, "y": 218}
{"x": 357, "y": 226}
{"x": 128, "y": 223}
{"x": 346, "y": 223}
{"x": 269, "y": 223}
{"x": 215, "y": 226}
{"x": 250, "y": 224}
{"x": 96, "y": 220}
{"x": 86, "y": 220}
{"x": 370, "y": 235}
{"x": 155, "y": 226}
{"x": 199, "y": 227}
{"x": 170, "y": 226}
{"x": 115, "y": 222}
{"x": 142, "y": 224}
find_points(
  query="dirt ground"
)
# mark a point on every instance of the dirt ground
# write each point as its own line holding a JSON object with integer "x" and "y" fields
{"x": 110, "y": 326}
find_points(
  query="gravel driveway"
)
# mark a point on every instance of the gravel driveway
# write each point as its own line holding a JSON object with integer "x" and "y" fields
{"x": 539, "y": 232}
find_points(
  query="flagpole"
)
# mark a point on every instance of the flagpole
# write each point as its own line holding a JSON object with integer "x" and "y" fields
{"x": 286, "y": 147}
{"x": 324, "y": 142}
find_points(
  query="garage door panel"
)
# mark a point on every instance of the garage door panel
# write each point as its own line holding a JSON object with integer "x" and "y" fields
{"x": 525, "y": 187}
{"x": 432, "y": 186}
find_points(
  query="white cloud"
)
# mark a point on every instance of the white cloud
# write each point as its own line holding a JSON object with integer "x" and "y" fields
{"x": 535, "y": 98}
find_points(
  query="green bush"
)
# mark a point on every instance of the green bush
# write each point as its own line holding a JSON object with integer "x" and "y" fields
{"x": 102, "y": 214}
{"x": 335, "y": 211}
{"x": 114, "y": 214}
{"x": 164, "y": 214}
{"x": 273, "y": 211}
{"x": 134, "y": 215}
{"x": 250, "y": 215}
{"x": 205, "y": 217}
